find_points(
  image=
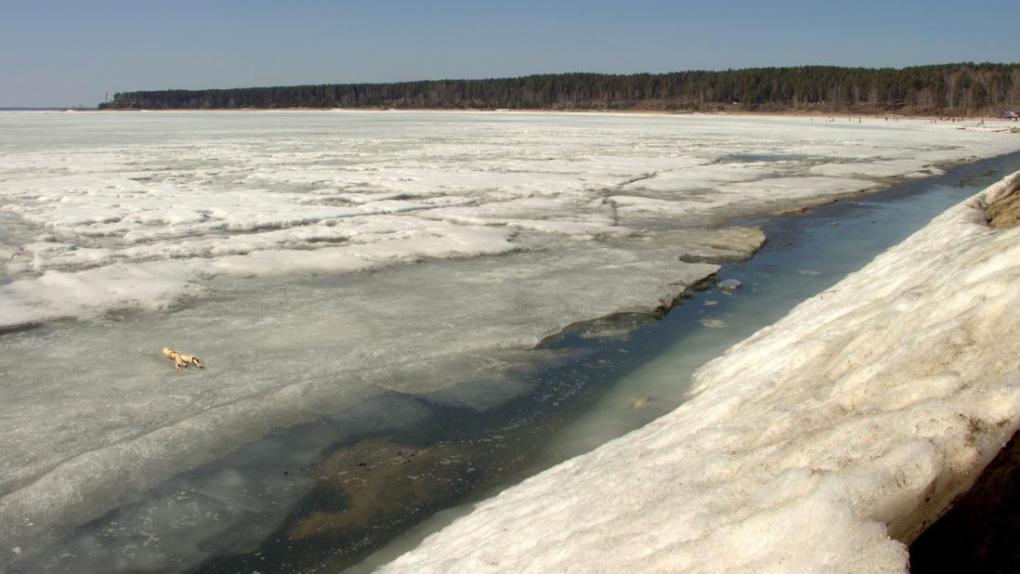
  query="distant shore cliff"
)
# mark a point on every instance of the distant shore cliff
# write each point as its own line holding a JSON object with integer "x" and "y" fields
{"x": 947, "y": 89}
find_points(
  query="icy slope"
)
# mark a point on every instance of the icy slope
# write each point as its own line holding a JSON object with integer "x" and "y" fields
{"x": 817, "y": 445}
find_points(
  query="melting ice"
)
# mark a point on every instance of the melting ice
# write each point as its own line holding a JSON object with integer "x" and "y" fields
{"x": 317, "y": 260}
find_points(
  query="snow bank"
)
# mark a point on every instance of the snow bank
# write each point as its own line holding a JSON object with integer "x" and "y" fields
{"x": 820, "y": 444}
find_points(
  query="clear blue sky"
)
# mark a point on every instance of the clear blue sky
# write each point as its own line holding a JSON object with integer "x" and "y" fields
{"x": 56, "y": 53}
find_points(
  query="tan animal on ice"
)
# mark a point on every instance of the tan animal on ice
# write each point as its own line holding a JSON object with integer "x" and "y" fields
{"x": 182, "y": 361}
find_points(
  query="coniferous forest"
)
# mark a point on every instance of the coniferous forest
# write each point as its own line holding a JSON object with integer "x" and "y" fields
{"x": 946, "y": 89}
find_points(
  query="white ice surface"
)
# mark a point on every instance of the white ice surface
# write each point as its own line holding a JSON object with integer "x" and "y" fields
{"x": 820, "y": 444}
{"x": 241, "y": 193}
{"x": 315, "y": 260}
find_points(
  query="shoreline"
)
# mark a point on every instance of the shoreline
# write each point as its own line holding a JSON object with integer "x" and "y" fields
{"x": 892, "y": 116}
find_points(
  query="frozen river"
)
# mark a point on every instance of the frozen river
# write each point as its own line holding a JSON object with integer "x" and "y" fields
{"x": 318, "y": 261}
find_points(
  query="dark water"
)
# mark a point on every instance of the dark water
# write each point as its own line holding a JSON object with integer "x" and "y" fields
{"x": 367, "y": 483}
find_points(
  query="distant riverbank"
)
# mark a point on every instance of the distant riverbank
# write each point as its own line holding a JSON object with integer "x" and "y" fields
{"x": 941, "y": 90}
{"x": 989, "y": 122}
{"x": 735, "y": 111}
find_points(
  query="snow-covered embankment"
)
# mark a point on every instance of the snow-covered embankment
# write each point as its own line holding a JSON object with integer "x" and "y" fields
{"x": 821, "y": 443}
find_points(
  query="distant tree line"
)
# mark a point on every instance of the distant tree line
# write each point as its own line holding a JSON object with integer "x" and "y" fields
{"x": 947, "y": 89}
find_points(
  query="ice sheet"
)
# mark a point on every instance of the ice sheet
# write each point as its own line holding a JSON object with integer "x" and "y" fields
{"x": 819, "y": 444}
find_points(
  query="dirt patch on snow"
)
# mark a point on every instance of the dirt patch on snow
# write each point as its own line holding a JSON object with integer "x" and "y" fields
{"x": 1005, "y": 213}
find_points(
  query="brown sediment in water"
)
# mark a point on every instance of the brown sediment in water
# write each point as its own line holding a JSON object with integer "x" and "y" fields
{"x": 382, "y": 481}
{"x": 981, "y": 533}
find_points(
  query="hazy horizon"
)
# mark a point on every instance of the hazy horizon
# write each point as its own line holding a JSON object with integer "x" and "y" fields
{"x": 62, "y": 53}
